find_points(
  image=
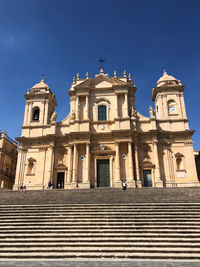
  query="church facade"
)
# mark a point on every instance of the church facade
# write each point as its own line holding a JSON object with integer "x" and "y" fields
{"x": 104, "y": 140}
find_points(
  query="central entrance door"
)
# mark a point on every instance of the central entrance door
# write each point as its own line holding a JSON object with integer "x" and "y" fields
{"x": 103, "y": 173}
{"x": 147, "y": 178}
{"x": 60, "y": 179}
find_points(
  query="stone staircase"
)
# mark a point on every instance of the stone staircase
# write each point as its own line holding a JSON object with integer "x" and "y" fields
{"x": 139, "y": 231}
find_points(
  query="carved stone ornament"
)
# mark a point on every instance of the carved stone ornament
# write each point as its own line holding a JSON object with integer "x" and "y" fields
{"x": 151, "y": 112}
{"x": 73, "y": 116}
{"x": 53, "y": 117}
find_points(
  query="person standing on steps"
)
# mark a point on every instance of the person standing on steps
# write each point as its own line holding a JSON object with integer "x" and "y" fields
{"x": 124, "y": 185}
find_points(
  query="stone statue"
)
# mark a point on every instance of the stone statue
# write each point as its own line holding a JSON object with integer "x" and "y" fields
{"x": 151, "y": 112}
{"x": 73, "y": 116}
{"x": 53, "y": 117}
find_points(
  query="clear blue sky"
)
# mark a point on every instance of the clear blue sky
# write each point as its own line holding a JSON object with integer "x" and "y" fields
{"x": 62, "y": 37}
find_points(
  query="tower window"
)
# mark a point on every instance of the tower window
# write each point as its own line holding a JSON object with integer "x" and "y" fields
{"x": 36, "y": 114}
{"x": 102, "y": 113}
{"x": 171, "y": 107}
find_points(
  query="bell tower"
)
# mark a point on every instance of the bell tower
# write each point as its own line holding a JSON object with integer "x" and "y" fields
{"x": 39, "y": 107}
{"x": 169, "y": 102}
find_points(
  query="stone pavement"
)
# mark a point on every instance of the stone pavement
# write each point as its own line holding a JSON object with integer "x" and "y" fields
{"x": 98, "y": 263}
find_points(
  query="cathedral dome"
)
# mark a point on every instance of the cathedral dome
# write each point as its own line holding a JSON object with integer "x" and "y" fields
{"x": 167, "y": 80}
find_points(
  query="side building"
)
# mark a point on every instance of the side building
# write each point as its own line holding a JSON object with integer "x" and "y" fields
{"x": 8, "y": 161}
{"x": 104, "y": 140}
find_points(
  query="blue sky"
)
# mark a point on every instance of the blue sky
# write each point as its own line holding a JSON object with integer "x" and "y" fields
{"x": 62, "y": 37}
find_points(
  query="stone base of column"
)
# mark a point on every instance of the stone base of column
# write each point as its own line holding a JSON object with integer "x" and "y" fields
{"x": 68, "y": 186}
{"x": 118, "y": 184}
{"x": 159, "y": 183}
{"x": 130, "y": 184}
{"x": 73, "y": 185}
{"x": 16, "y": 187}
{"x": 139, "y": 183}
{"x": 84, "y": 185}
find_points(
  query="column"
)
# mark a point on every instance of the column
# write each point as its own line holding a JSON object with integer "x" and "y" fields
{"x": 116, "y": 106}
{"x": 130, "y": 157}
{"x": 111, "y": 171}
{"x": 30, "y": 112}
{"x": 77, "y": 107}
{"x": 138, "y": 179}
{"x": 183, "y": 106}
{"x": 87, "y": 107}
{"x": 117, "y": 162}
{"x": 126, "y": 104}
{"x": 46, "y": 113}
{"x": 158, "y": 182}
{"x": 26, "y": 113}
{"x": 51, "y": 156}
{"x": 69, "y": 174}
{"x": 87, "y": 168}
{"x": 74, "y": 164}
{"x": 44, "y": 107}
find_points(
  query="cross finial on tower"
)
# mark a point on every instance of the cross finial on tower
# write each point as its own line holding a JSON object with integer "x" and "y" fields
{"x": 101, "y": 61}
{"x": 42, "y": 78}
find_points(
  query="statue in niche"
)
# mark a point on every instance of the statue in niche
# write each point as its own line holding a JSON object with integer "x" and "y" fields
{"x": 53, "y": 117}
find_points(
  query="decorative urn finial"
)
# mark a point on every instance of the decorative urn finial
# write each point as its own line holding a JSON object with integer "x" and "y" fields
{"x": 124, "y": 74}
{"x": 87, "y": 75}
{"x": 115, "y": 74}
{"x": 101, "y": 70}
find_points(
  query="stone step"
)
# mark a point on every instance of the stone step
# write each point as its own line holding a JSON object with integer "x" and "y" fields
{"x": 99, "y": 231}
{"x": 103, "y": 224}
{"x": 104, "y": 220}
{"x": 106, "y": 249}
{"x": 89, "y": 239}
{"x": 120, "y": 216}
{"x": 103, "y": 234}
{"x": 88, "y": 255}
{"x": 96, "y": 214}
{"x": 103, "y": 206}
{"x": 98, "y": 227}
{"x": 100, "y": 244}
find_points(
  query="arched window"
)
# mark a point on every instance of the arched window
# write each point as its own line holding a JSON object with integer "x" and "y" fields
{"x": 102, "y": 116}
{"x": 36, "y": 114}
{"x": 171, "y": 107}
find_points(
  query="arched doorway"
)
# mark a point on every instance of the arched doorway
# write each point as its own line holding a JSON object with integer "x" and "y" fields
{"x": 61, "y": 176}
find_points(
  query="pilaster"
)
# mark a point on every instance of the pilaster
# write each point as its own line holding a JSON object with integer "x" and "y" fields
{"x": 158, "y": 181}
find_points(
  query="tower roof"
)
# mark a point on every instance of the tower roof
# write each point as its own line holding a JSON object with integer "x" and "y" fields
{"x": 167, "y": 80}
{"x": 41, "y": 84}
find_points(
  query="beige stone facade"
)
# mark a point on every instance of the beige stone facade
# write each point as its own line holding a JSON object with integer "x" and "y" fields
{"x": 8, "y": 161}
{"x": 104, "y": 140}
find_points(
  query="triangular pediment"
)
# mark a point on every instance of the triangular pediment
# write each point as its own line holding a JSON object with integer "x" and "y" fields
{"x": 100, "y": 81}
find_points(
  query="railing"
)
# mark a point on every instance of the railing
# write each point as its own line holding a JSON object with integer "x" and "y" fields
{"x": 4, "y": 134}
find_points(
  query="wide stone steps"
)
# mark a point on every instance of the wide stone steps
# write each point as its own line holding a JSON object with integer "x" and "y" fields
{"x": 96, "y": 231}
